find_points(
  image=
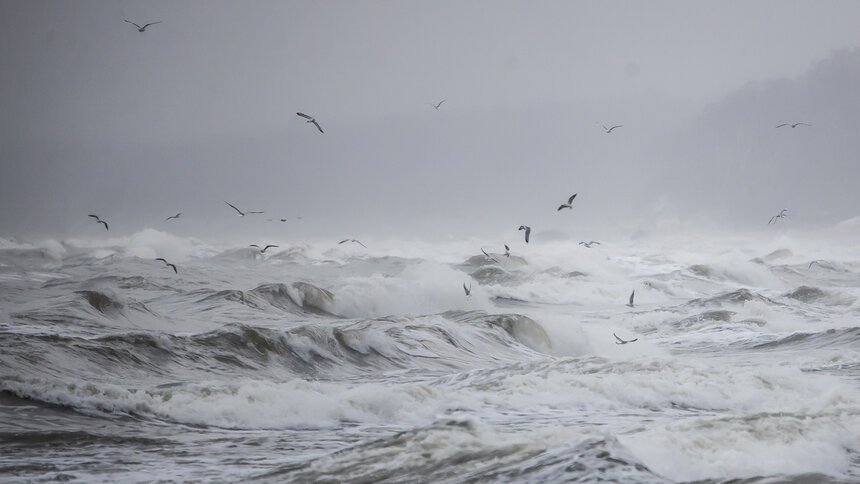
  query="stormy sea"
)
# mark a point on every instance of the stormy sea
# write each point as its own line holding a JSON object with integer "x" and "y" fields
{"x": 738, "y": 361}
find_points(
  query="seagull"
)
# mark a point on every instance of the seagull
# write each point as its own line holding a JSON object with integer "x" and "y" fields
{"x": 623, "y": 342}
{"x": 352, "y": 240}
{"x": 173, "y": 216}
{"x": 488, "y": 256}
{"x": 467, "y": 289}
{"x": 630, "y": 303}
{"x": 609, "y": 130}
{"x": 139, "y": 28}
{"x": 241, "y": 213}
{"x": 793, "y": 125}
{"x": 507, "y": 251}
{"x": 528, "y": 231}
{"x": 310, "y": 119}
{"x": 819, "y": 261}
{"x": 568, "y": 204}
{"x": 264, "y": 249}
{"x": 778, "y": 216}
{"x": 99, "y": 221}
{"x": 436, "y": 106}
{"x": 173, "y": 266}
{"x": 589, "y": 244}
{"x": 281, "y": 219}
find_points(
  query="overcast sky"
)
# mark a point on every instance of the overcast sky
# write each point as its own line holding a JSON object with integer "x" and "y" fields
{"x": 96, "y": 117}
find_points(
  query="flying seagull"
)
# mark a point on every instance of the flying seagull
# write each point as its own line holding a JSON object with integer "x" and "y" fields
{"x": 507, "y": 251}
{"x": 528, "y": 231}
{"x": 623, "y": 342}
{"x": 630, "y": 303}
{"x": 436, "y": 106}
{"x": 173, "y": 216}
{"x": 467, "y": 289}
{"x": 589, "y": 244}
{"x": 352, "y": 240}
{"x": 793, "y": 125}
{"x": 568, "y": 204}
{"x": 241, "y": 213}
{"x": 488, "y": 256}
{"x": 99, "y": 221}
{"x": 264, "y": 249}
{"x": 173, "y": 266}
{"x": 282, "y": 219}
{"x": 609, "y": 130}
{"x": 139, "y": 28}
{"x": 782, "y": 214}
{"x": 310, "y": 119}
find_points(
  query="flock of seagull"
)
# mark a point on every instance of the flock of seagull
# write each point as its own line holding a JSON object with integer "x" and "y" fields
{"x": 525, "y": 228}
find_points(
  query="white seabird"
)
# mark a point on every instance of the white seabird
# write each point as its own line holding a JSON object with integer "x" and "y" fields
{"x": 782, "y": 214}
{"x": 568, "y": 204}
{"x": 488, "y": 256}
{"x": 528, "y": 231}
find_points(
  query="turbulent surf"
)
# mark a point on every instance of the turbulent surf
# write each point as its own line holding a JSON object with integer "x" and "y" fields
{"x": 320, "y": 362}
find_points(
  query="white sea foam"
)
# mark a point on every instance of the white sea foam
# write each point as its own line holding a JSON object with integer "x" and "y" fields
{"x": 745, "y": 363}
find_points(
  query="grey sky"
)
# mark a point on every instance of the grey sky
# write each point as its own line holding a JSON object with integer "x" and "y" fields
{"x": 97, "y": 117}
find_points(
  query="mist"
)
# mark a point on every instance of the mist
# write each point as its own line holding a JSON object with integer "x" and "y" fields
{"x": 200, "y": 109}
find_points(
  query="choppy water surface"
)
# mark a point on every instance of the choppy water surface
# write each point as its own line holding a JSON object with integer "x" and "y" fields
{"x": 335, "y": 363}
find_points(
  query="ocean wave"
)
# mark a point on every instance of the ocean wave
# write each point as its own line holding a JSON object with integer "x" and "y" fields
{"x": 736, "y": 297}
{"x": 241, "y": 404}
{"x": 303, "y": 350}
{"x": 844, "y": 337}
{"x": 463, "y": 450}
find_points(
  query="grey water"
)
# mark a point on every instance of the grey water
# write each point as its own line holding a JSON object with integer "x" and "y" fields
{"x": 319, "y": 362}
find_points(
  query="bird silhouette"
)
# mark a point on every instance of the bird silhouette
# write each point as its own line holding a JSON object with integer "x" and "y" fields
{"x": 528, "y": 231}
{"x": 99, "y": 221}
{"x": 173, "y": 266}
{"x": 782, "y": 214}
{"x": 623, "y": 342}
{"x": 488, "y": 256}
{"x": 139, "y": 28}
{"x": 569, "y": 203}
{"x": 241, "y": 213}
{"x": 352, "y": 240}
{"x": 310, "y": 119}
